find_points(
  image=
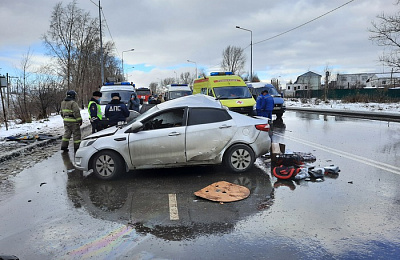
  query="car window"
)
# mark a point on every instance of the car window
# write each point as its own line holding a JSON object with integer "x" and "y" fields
{"x": 199, "y": 116}
{"x": 165, "y": 119}
{"x": 232, "y": 92}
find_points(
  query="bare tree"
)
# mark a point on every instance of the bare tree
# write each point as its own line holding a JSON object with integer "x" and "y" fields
{"x": 168, "y": 81}
{"x": 74, "y": 40}
{"x": 22, "y": 102}
{"x": 45, "y": 92}
{"x": 386, "y": 33}
{"x": 202, "y": 73}
{"x": 233, "y": 59}
{"x": 153, "y": 87}
{"x": 254, "y": 78}
{"x": 60, "y": 37}
{"x": 186, "y": 78}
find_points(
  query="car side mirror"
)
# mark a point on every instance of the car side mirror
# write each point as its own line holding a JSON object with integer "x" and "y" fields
{"x": 136, "y": 127}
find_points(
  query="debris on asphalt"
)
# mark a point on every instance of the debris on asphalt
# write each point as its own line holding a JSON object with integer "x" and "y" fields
{"x": 223, "y": 191}
{"x": 25, "y": 138}
{"x": 288, "y": 165}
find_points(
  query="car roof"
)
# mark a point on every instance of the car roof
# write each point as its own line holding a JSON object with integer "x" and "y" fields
{"x": 197, "y": 100}
{"x": 259, "y": 85}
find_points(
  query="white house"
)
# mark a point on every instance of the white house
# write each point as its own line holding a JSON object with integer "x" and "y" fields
{"x": 350, "y": 81}
{"x": 307, "y": 81}
{"x": 383, "y": 80}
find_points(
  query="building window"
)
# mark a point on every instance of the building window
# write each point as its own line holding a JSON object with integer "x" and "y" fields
{"x": 364, "y": 78}
{"x": 294, "y": 88}
{"x": 384, "y": 82}
{"x": 305, "y": 87}
{"x": 344, "y": 79}
{"x": 288, "y": 88}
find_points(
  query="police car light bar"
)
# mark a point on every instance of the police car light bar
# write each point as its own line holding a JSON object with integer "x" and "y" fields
{"x": 178, "y": 85}
{"x": 118, "y": 83}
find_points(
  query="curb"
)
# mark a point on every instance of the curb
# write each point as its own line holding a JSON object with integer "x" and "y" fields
{"x": 381, "y": 116}
{"x": 32, "y": 146}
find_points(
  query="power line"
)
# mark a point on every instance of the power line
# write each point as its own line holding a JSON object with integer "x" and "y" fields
{"x": 301, "y": 25}
{"x": 109, "y": 30}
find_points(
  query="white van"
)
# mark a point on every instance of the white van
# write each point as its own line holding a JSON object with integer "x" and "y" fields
{"x": 124, "y": 89}
{"x": 279, "y": 104}
{"x": 177, "y": 91}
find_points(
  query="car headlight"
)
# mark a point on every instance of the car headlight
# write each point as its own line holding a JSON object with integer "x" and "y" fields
{"x": 89, "y": 142}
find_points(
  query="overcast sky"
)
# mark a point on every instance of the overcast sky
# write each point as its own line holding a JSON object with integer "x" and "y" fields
{"x": 167, "y": 33}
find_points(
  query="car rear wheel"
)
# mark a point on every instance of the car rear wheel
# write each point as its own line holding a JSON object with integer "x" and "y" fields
{"x": 239, "y": 158}
{"x": 107, "y": 165}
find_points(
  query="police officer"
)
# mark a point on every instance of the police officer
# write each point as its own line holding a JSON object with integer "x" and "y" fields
{"x": 95, "y": 112}
{"x": 71, "y": 115}
{"x": 116, "y": 111}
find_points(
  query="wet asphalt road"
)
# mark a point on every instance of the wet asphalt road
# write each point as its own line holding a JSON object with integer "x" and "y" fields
{"x": 50, "y": 211}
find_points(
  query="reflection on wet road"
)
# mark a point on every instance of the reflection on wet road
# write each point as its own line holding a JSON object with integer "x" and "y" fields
{"x": 155, "y": 215}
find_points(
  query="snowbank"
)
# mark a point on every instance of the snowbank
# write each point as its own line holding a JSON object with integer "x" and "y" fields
{"x": 54, "y": 126}
{"x": 338, "y": 104}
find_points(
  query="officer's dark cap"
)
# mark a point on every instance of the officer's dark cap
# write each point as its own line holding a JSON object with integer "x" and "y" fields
{"x": 97, "y": 94}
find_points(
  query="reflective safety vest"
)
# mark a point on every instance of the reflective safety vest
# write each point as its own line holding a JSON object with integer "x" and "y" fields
{"x": 99, "y": 115}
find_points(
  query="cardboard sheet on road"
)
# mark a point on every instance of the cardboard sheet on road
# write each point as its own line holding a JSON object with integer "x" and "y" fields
{"x": 223, "y": 191}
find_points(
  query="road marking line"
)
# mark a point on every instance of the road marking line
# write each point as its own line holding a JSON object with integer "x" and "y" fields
{"x": 173, "y": 207}
{"x": 377, "y": 164}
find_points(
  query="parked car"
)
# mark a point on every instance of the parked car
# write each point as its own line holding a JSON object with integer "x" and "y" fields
{"x": 279, "y": 104}
{"x": 177, "y": 91}
{"x": 192, "y": 130}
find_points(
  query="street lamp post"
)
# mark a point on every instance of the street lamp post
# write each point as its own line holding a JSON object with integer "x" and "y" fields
{"x": 251, "y": 51}
{"x": 123, "y": 72}
{"x": 195, "y": 64}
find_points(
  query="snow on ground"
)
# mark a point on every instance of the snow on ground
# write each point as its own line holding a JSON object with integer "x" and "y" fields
{"x": 52, "y": 126}
{"x": 338, "y": 104}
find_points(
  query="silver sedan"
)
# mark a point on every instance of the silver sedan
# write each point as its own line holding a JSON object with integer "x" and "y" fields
{"x": 193, "y": 130}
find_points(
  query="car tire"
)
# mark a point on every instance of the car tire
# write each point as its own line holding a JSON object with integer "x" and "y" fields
{"x": 108, "y": 165}
{"x": 239, "y": 158}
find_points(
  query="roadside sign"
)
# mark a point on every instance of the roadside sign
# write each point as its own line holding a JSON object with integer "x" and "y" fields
{"x": 3, "y": 81}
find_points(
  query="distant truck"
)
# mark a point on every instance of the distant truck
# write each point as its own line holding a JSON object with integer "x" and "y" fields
{"x": 143, "y": 94}
{"x": 229, "y": 89}
{"x": 124, "y": 89}
{"x": 279, "y": 103}
{"x": 177, "y": 91}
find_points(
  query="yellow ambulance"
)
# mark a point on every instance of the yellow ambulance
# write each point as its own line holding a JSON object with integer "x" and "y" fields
{"x": 229, "y": 89}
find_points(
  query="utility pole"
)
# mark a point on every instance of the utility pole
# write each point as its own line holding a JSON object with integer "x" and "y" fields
{"x": 101, "y": 48}
{"x": 3, "y": 84}
{"x": 326, "y": 84}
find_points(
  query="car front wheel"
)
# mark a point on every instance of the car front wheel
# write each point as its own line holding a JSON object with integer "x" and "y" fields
{"x": 239, "y": 158}
{"x": 107, "y": 165}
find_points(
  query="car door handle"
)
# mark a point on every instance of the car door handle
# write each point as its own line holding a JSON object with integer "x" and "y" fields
{"x": 120, "y": 139}
{"x": 224, "y": 126}
{"x": 174, "y": 134}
